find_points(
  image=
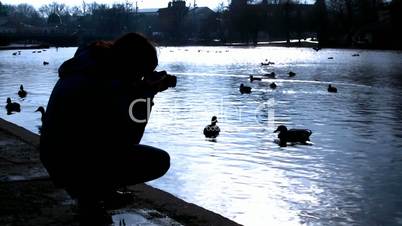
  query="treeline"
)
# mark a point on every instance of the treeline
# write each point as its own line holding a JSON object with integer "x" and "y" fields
{"x": 340, "y": 23}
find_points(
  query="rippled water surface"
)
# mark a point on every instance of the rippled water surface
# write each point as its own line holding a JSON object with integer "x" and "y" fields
{"x": 351, "y": 174}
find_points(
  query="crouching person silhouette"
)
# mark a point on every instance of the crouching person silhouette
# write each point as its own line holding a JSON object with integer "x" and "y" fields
{"x": 91, "y": 130}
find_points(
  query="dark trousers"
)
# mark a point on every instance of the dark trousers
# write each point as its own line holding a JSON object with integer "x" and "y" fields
{"x": 94, "y": 180}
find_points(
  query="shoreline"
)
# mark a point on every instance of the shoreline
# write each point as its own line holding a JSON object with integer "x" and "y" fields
{"x": 23, "y": 46}
{"x": 302, "y": 44}
{"x": 28, "y": 192}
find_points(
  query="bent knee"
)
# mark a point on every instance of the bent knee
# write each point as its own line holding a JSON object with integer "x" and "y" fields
{"x": 164, "y": 161}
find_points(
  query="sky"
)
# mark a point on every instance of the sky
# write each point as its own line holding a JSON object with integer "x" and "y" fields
{"x": 141, "y": 3}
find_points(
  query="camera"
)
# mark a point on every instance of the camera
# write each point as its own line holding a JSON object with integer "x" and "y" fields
{"x": 164, "y": 79}
{"x": 171, "y": 80}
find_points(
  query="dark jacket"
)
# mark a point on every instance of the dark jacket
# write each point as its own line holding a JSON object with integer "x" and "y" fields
{"x": 87, "y": 119}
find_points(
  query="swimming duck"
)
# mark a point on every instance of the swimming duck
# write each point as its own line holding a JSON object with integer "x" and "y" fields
{"x": 356, "y": 55}
{"x": 330, "y": 58}
{"x": 267, "y": 63}
{"x": 244, "y": 89}
{"x": 292, "y": 74}
{"x": 273, "y": 85}
{"x": 22, "y": 93}
{"x": 42, "y": 111}
{"x": 332, "y": 89}
{"x": 270, "y": 75}
{"x": 212, "y": 130}
{"x": 45, "y": 63}
{"x": 317, "y": 48}
{"x": 12, "y": 107}
{"x": 252, "y": 78}
{"x": 292, "y": 135}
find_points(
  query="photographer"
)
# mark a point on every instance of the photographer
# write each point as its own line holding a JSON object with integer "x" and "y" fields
{"x": 89, "y": 140}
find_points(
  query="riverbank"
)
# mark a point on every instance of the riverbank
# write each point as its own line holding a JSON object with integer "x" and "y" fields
{"x": 24, "y": 46}
{"x": 28, "y": 197}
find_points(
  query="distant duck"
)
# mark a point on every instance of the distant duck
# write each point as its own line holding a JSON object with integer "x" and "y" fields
{"x": 39, "y": 51}
{"x": 33, "y": 51}
{"x": 292, "y": 74}
{"x": 292, "y": 135}
{"x": 273, "y": 85}
{"x": 332, "y": 89}
{"x": 330, "y": 58}
{"x": 355, "y": 55}
{"x": 15, "y": 54}
{"x": 42, "y": 111}
{"x": 267, "y": 63}
{"x": 212, "y": 130}
{"x": 244, "y": 89}
{"x": 252, "y": 78}
{"x": 317, "y": 49}
{"x": 22, "y": 93}
{"x": 45, "y": 63}
{"x": 270, "y": 75}
{"x": 12, "y": 107}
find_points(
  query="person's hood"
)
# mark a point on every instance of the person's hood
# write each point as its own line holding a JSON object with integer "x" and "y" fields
{"x": 85, "y": 62}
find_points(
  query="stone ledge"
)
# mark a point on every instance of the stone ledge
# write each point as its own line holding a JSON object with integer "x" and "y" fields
{"x": 146, "y": 196}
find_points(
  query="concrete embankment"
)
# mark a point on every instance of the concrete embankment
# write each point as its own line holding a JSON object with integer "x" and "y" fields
{"x": 28, "y": 197}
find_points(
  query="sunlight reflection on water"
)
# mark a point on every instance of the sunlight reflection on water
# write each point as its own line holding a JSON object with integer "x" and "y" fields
{"x": 351, "y": 174}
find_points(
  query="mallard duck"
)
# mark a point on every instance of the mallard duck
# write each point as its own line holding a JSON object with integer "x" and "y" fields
{"x": 332, "y": 89}
{"x": 12, "y": 106}
{"x": 42, "y": 111}
{"x": 292, "y": 74}
{"x": 273, "y": 85}
{"x": 317, "y": 48}
{"x": 270, "y": 75}
{"x": 292, "y": 135}
{"x": 244, "y": 89}
{"x": 252, "y": 78}
{"x": 22, "y": 93}
{"x": 212, "y": 130}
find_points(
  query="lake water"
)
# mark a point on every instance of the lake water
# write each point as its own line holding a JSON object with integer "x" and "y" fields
{"x": 350, "y": 175}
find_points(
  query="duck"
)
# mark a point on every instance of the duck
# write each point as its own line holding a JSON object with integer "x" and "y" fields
{"x": 252, "y": 78}
{"x": 317, "y": 48}
{"x": 355, "y": 55}
{"x": 45, "y": 63}
{"x": 22, "y": 93}
{"x": 12, "y": 107}
{"x": 270, "y": 75}
{"x": 244, "y": 89}
{"x": 212, "y": 130}
{"x": 292, "y": 135}
{"x": 332, "y": 89}
{"x": 273, "y": 85}
{"x": 292, "y": 74}
{"x": 42, "y": 111}
{"x": 330, "y": 58}
{"x": 15, "y": 54}
{"x": 267, "y": 63}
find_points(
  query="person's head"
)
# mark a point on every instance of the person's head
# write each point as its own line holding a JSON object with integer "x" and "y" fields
{"x": 134, "y": 56}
